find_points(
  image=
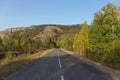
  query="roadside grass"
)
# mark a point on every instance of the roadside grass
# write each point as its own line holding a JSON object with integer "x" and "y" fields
{"x": 10, "y": 64}
{"x": 113, "y": 62}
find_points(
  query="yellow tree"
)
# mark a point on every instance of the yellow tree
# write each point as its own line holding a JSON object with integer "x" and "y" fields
{"x": 81, "y": 40}
{"x": 66, "y": 41}
{"x": 76, "y": 42}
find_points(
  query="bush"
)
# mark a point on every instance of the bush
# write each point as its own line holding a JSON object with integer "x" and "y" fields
{"x": 8, "y": 56}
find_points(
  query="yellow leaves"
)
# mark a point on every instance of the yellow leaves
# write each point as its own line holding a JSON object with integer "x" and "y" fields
{"x": 81, "y": 39}
{"x": 109, "y": 8}
{"x": 109, "y": 14}
{"x": 16, "y": 42}
{"x": 110, "y": 17}
{"x": 66, "y": 41}
{"x": 105, "y": 9}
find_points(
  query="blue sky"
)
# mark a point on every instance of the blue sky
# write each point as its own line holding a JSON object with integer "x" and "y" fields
{"x": 23, "y": 13}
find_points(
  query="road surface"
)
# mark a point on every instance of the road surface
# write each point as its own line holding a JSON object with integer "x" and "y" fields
{"x": 57, "y": 65}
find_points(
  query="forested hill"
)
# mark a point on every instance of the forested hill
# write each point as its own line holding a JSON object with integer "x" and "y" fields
{"x": 36, "y": 29}
{"x": 65, "y": 28}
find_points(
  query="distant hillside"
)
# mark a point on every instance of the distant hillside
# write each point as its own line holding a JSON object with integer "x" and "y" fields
{"x": 10, "y": 30}
{"x": 37, "y": 31}
{"x": 2, "y": 34}
{"x": 53, "y": 29}
{"x": 49, "y": 31}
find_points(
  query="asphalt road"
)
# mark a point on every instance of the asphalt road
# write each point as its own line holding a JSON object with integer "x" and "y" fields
{"x": 57, "y": 65}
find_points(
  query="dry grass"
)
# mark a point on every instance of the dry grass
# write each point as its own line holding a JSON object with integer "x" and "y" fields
{"x": 9, "y": 66}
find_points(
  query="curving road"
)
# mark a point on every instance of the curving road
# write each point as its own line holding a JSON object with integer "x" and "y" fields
{"x": 57, "y": 65}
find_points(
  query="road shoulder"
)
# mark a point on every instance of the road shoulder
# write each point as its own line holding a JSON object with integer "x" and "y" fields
{"x": 113, "y": 73}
